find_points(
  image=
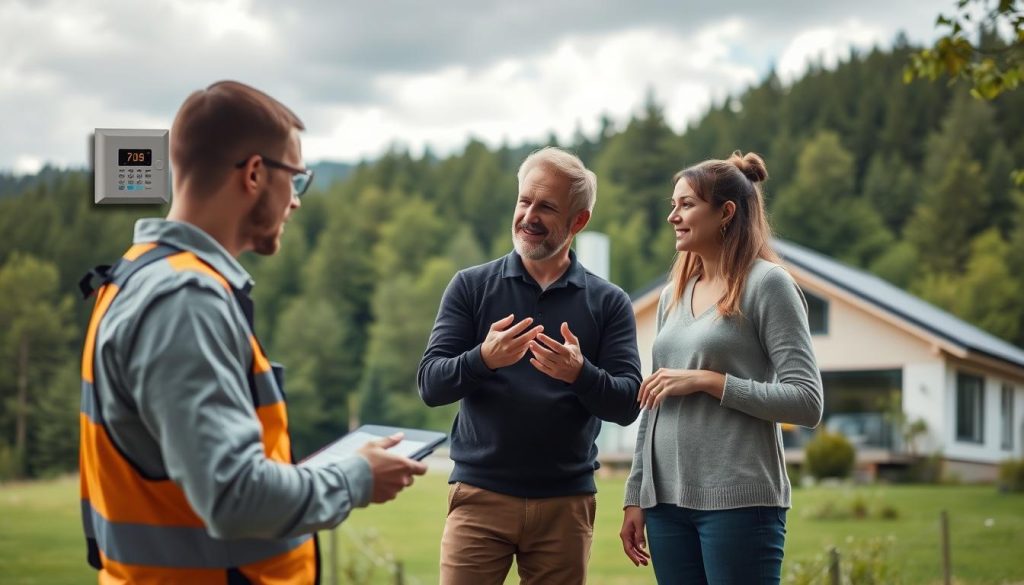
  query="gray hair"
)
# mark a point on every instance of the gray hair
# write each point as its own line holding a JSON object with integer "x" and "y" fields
{"x": 582, "y": 181}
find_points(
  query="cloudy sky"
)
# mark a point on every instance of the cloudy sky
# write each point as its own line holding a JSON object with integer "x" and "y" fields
{"x": 366, "y": 75}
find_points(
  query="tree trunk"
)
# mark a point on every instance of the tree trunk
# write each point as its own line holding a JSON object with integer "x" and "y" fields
{"x": 21, "y": 413}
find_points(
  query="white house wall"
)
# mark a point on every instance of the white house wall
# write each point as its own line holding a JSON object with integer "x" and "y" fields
{"x": 858, "y": 340}
{"x": 1018, "y": 423}
{"x": 646, "y": 329}
{"x": 925, "y": 397}
{"x": 993, "y": 408}
{"x": 990, "y": 451}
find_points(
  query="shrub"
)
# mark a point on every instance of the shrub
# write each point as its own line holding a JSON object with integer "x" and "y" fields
{"x": 795, "y": 474}
{"x": 1011, "y": 475}
{"x": 888, "y": 512}
{"x": 859, "y": 508}
{"x": 861, "y": 562}
{"x": 869, "y": 562}
{"x": 828, "y": 510}
{"x": 10, "y": 462}
{"x": 853, "y": 506}
{"x": 364, "y": 559}
{"x": 926, "y": 469}
{"x": 829, "y": 455}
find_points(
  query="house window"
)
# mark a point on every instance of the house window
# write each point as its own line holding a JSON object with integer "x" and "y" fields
{"x": 970, "y": 408}
{"x": 862, "y": 406}
{"x": 817, "y": 314}
{"x": 1006, "y": 413}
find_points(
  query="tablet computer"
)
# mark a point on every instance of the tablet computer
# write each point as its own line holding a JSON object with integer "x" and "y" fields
{"x": 416, "y": 444}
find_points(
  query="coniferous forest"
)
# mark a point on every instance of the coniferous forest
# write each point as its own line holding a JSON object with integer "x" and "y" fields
{"x": 909, "y": 181}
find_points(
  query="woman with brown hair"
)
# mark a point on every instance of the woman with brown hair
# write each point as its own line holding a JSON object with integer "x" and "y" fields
{"x": 732, "y": 360}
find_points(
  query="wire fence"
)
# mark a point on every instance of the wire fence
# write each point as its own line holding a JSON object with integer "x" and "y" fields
{"x": 864, "y": 563}
{"x": 360, "y": 558}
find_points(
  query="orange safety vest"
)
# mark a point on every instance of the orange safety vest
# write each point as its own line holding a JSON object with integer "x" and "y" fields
{"x": 142, "y": 529}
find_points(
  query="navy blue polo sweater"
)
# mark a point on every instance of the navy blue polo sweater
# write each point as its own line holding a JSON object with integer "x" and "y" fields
{"x": 519, "y": 431}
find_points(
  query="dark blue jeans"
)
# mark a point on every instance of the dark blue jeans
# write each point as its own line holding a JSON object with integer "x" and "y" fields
{"x": 718, "y": 547}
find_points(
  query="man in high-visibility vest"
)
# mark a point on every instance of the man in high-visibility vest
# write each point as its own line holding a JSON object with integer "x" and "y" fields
{"x": 186, "y": 467}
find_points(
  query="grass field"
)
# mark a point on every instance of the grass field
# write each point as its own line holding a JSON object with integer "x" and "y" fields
{"x": 40, "y": 540}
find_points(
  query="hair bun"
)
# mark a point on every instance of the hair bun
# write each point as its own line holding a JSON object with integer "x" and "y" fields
{"x": 751, "y": 165}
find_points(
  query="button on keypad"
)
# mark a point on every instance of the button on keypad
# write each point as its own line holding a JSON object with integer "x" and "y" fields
{"x": 134, "y": 179}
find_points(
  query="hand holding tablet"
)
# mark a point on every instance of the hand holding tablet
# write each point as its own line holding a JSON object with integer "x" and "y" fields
{"x": 392, "y": 452}
{"x": 415, "y": 444}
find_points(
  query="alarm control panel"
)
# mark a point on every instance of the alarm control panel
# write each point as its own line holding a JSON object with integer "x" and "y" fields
{"x": 131, "y": 166}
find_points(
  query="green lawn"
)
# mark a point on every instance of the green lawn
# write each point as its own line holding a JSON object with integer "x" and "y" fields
{"x": 40, "y": 538}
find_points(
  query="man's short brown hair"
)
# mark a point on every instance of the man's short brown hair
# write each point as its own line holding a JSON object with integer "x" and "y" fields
{"x": 218, "y": 126}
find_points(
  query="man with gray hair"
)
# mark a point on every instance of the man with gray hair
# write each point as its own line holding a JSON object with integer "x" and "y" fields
{"x": 539, "y": 351}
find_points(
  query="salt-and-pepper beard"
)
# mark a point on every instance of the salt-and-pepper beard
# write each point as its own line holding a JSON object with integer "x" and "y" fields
{"x": 543, "y": 250}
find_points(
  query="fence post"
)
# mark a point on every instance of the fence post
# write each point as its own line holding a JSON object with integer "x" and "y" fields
{"x": 333, "y": 546}
{"x": 833, "y": 566}
{"x": 399, "y": 573}
{"x": 947, "y": 565}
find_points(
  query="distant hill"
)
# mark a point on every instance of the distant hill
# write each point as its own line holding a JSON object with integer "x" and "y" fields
{"x": 11, "y": 184}
{"x": 328, "y": 172}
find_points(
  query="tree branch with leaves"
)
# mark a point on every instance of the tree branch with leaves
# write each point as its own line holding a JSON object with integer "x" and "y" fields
{"x": 991, "y": 63}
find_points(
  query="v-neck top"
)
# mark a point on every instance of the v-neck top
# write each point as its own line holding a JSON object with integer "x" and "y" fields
{"x": 698, "y": 452}
{"x": 687, "y": 299}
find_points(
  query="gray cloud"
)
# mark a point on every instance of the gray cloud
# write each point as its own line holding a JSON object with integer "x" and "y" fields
{"x": 417, "y": 36}
{"x": 68, "y": 65}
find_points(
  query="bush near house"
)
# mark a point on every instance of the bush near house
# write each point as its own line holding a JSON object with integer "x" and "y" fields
{"x": 829, "y": 455}
{"x": 1011, "y": 475}
{"x": 795, "y": 475}
{"x": 926, "y": 469}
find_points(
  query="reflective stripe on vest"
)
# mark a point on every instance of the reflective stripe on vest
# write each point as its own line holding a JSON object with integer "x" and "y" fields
{"x": 142, "y": 529}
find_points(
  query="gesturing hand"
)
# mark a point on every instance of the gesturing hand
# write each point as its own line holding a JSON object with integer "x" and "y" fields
{"x": 391, "y": 472}
{"x": 561, "y": 361}
{"x": 505, "y": 345}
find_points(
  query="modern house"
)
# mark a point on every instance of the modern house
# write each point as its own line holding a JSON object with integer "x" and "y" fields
{"x": 888, "y": 360}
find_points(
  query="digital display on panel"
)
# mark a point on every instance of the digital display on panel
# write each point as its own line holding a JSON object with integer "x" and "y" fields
{"x": 134, "y": 157}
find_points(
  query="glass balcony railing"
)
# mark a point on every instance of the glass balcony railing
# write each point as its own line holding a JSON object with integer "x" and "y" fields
{"x": 867, "y": 430}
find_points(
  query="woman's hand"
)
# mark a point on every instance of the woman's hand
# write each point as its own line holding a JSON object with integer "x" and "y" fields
{"x": 632, "y": 535}
{"x": 667, "y": 382}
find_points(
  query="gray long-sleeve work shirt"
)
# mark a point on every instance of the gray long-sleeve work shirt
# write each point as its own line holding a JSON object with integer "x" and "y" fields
{"x": 172, "y": 360}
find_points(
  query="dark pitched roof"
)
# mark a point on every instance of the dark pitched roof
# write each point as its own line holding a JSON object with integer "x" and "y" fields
{"x": 891, "y": 299}
{"x": 900, "y": 303}
{"x": 655, "y": 284}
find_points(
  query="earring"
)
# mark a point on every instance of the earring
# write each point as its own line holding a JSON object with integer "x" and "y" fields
{"x": 725, "y": 226}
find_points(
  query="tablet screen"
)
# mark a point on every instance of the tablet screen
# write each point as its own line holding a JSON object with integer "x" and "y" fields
{"x": 350, "y": 443}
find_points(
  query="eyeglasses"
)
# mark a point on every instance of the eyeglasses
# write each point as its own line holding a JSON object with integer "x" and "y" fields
{"x": 301, "y": 178}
